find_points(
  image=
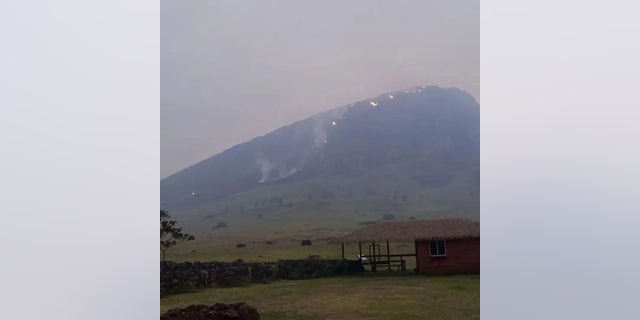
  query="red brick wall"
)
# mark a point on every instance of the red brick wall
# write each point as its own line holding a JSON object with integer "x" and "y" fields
{"x": 463, "y": 256}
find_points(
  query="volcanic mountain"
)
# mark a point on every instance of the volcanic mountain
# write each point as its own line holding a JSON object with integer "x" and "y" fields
{"x": 403, "y": 154}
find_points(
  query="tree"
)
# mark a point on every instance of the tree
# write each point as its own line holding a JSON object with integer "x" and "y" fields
{"x": 170, "y": 234}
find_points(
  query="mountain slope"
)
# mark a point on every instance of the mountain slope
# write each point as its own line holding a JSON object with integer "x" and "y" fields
{"x": 407, "y": 152}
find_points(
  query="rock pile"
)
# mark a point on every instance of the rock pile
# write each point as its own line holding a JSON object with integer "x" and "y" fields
{"x": 218, "y": 311}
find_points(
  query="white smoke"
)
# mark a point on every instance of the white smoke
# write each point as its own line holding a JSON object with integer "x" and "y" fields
{"x": 286, "y": 173}
{"x": 288, "y": 164}
{"x": 271, "y": 171}
{"x": 319, "y": 134}
{"x": 266, "y": 167}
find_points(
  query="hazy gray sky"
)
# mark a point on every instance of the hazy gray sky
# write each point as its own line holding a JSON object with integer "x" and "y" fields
{"x": 234, "y": 70}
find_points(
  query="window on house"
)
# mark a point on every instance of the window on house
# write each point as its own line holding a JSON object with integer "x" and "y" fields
{"x": 437, "y": 248}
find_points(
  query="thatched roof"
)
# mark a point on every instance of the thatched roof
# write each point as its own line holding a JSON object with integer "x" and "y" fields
{"x": 415, "y": 230}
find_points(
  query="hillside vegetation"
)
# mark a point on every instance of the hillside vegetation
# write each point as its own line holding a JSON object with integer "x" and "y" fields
{"x": 410, "y": 154}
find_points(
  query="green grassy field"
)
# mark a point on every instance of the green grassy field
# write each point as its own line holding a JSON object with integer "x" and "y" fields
{"x": 327, "y": 206}
{"x": 367, "y": 296}
{"x": 283, "y": 248}
{"x": 275, "y": 233}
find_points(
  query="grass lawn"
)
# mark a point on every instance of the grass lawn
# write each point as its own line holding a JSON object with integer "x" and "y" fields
{"x": 283, "y": 248}
{"x": 367, "y": 296}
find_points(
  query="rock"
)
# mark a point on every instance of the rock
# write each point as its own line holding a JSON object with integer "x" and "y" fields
{"x": 245, "y": 311}
{"x": 305, "y": 243}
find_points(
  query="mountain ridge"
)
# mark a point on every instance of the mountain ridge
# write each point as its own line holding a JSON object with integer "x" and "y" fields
{"x": 426, "y": 137}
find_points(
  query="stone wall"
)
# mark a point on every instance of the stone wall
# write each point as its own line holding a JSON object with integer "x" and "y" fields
{"x": 218, "y": 311}
{"x": 310, "y": 268}
{"x": 180, "y": 277}
{"x": 262, "y": 272}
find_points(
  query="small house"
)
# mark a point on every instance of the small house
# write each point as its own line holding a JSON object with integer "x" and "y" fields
{"x": 442, "y": 246}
